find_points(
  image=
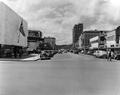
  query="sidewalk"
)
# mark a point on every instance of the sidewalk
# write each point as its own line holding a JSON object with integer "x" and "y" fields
{"x": 32, "y": 57}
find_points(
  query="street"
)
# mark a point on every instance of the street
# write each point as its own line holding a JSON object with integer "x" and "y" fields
{"x": 65, "y": 74}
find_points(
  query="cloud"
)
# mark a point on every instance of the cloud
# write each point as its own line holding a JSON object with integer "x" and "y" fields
{"x": 57, "y": 17}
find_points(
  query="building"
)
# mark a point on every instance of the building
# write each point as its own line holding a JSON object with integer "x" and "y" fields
{"x": 98, "y": 42}
{"x": 84, "y": 38}
{"x": 34, "y": 39}
{"x": 94, "y": 42}
{"x": 80, "y": 42}
{"x": 106, "y": 40}
{"x": 102, "y": 40}
{"x": 77, "y": 30}
{"x": 13, "y": 32}
{"x": 113, "y": 38}
{"x": 50, "y": 41}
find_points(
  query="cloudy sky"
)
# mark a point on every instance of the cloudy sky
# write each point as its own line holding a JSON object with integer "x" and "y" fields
{"x": 57, "y": 17}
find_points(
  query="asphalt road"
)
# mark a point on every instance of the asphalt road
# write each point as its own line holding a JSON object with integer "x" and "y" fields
{"x": 65, "y": 74}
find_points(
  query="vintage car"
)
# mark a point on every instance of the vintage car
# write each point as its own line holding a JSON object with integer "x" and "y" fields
{"x": 100, "y": 54}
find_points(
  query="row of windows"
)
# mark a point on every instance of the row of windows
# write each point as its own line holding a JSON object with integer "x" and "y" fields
{"x": 34, "y": 34}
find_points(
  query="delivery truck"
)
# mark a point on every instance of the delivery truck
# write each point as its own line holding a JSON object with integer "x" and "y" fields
{"x": 13, "y": 32}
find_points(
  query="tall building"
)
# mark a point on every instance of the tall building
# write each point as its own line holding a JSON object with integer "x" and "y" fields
{"x": 51, "y": 41}
{"x": 77, "y": 30}
{"x": 117, "y": 34}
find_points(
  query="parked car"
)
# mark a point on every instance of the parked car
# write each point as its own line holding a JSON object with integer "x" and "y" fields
{"x": 82, "y": 51}
{"x": 96, "y": 53}
{"x": 100, "y": 54}
{"x": 44, "y": 55}
{"x": 90, "y": 52}
{"x": 117, "y": 57}
{"x": 76, "y": 51}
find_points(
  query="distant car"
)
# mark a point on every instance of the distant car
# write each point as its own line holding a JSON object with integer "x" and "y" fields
{"x": 96, "y": 53}
{"x": 90, "y": 52}
{"x": 76, "y": 51}
{"x": 100, "y": 54}
{"x": 44, "y": 56}
{"x": 51, "y": 54}
{"x": 82, "y": 51}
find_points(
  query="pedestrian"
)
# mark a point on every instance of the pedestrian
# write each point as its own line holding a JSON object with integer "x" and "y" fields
{"x": 109, "y": 55}
{"x": 115, "y": 54}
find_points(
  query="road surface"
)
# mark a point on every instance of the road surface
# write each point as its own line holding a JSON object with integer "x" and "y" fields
{"x": 65, "y": 74}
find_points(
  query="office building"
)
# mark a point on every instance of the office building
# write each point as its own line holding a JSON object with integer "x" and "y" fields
{"x": 77, "y": 30}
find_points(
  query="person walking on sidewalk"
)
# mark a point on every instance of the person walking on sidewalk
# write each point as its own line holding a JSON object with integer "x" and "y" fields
{"x": 109, "y": 55}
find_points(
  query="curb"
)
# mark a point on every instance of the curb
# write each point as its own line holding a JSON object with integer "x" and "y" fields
{"x": 36, "y": 58}
{"x": 21, "y": 60}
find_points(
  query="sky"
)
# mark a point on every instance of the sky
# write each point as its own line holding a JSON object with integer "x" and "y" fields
{"x": 56, "y": 18}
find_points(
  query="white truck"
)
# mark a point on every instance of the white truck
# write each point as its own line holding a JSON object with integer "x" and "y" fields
{"x": 13, "y": 30}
